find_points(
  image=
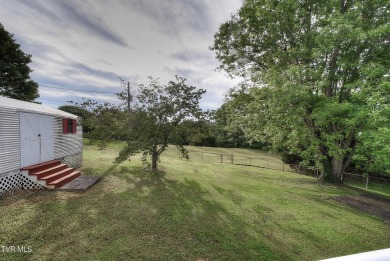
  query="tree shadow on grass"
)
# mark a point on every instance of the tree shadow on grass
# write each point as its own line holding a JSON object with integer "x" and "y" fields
{"x": 153, "y": 217}
{"x": 230, "y": 193}
{"x": 99, "y": 172}
{"x": 156, "y": 218}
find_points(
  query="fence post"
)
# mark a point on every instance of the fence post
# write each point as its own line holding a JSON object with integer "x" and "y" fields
{"x": 367, "y": 183}
{"x": 250, "y": 161}
{"x": 221, "y": 158}
{"x": 232, "y": 159}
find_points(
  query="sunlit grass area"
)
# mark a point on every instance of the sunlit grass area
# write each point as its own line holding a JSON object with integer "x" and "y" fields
{"x": 188, "y": 210}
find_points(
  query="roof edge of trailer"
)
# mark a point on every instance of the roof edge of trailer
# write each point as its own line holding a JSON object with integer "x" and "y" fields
{"x": 24, "y": 106}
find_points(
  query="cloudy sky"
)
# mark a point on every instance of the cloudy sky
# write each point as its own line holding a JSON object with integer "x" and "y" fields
{"x": 87, "y": 45}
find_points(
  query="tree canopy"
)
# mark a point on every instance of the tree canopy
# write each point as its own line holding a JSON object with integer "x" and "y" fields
{"x": 318, "y": 77}
{"x": 154, "y": 122}
{"x": 15, "y": 80}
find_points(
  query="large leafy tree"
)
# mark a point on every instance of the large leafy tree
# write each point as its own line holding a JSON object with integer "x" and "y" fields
{"x": 229, "y": 132}
{"x": 15, "y": 80}
{"x": 319, "y": 70}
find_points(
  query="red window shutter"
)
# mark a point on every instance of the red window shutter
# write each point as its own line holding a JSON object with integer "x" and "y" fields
{"x": 65, "y": 126}
{"x": 73, "y": 126}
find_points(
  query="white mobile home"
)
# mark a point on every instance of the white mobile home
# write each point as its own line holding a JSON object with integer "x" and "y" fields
{"x": 37, "y": 140}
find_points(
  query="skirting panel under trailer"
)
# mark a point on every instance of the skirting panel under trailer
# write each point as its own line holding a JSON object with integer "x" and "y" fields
{"x": 14, "y": 180}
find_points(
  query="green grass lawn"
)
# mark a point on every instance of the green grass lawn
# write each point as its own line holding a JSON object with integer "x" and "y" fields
{"x": 238, "y": 156}
{"x": 373, "y": 187}
{"x": 189, "y": 210}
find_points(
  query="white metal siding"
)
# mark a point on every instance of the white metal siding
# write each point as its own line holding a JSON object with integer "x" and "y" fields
{"x": 66, "y": 144}
{"x": 9, "y": 140}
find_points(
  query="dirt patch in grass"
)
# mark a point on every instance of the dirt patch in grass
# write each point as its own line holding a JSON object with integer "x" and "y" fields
{"x": 15, "y": 197}
{"x": 369, "y": 203}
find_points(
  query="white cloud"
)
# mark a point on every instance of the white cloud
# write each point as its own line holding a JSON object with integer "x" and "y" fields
{"x": 87, "y": 45}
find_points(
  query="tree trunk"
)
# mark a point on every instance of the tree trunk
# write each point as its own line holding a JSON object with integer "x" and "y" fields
{"x": 154, "y": 160}
{"x": 335, "y": 168}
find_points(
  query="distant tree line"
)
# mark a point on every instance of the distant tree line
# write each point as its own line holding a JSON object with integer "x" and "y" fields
{"x": 211, "y": 130}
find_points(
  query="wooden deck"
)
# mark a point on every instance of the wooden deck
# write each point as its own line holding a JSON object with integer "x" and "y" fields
{"x": 80, "y": 184}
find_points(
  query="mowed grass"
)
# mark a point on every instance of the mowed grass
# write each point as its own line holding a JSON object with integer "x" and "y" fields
{"x": 374, "y": 187}
{"x": 237, "y": 156}
{"x": 189, "y": 210}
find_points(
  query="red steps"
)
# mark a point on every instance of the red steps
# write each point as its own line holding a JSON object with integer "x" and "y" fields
{"x": 53, "y": 173}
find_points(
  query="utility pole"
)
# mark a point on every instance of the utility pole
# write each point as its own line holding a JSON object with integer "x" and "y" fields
{"x": 128, "y": 96}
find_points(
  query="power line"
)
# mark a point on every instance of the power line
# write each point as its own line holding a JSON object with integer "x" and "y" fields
{"x": 67, "y": 89}
{"x": 51, "y": 101}
{"x": 128, "y": 96}
{"x": 52, "y": 87}
{"x": 64, "y": 102}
